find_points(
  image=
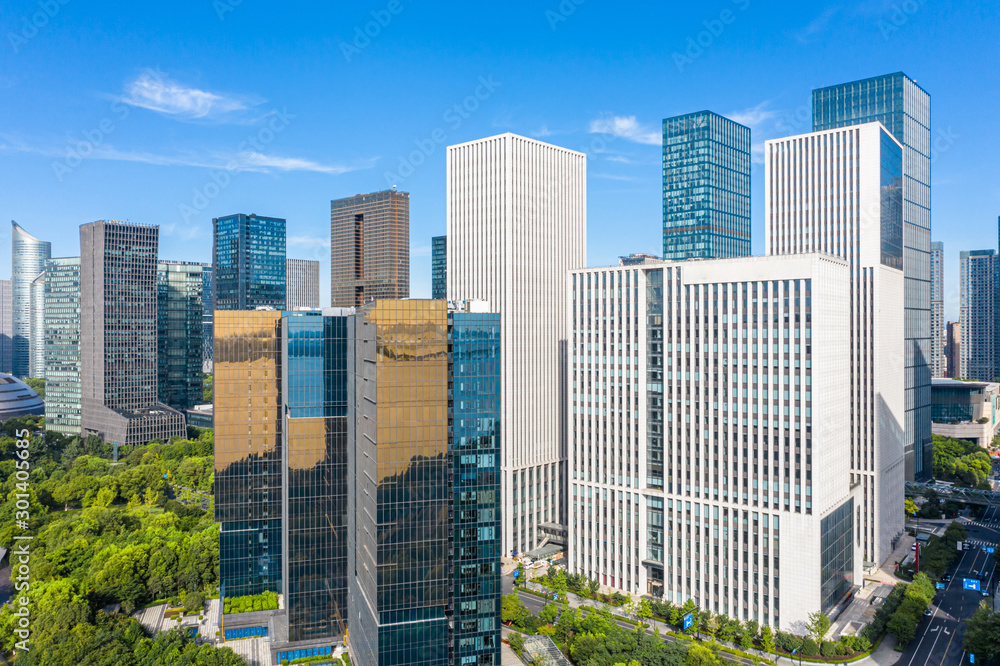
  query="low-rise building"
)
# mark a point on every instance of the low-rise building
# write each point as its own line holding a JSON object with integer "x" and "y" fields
{"x": 965, "y": 410}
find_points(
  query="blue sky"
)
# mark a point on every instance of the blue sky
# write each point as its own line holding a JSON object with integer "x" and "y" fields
{"x": 174, "y": 113}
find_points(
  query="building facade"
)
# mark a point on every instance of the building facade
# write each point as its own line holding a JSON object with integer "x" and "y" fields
{"x": 62, "y": 345}
{"x": 36, "y": 328}
{"x": 28, "y": 255}
{"x": 840, "y": 192}
{"x": 966, "y": 410}
{"x": 953, "y": 349}
{"x": 207, "y": 319}
{"x": 6, "y": 326}
{"x": 979, "y": 290}
{"x": 439, "y": 267}
{"x": 938, "y": 363}
{"x": 180, "y": 332}
{"x": 904, "y": 109}
{"x": 706, "y": 187}
{"x": 118, "y": 335}
{"x": 517, "y": 220}
{"x": 248, "y": 262}
{"x": 369, "y": 248}
{"x": 301, "y": 284}
{"x": 709, "y": 402}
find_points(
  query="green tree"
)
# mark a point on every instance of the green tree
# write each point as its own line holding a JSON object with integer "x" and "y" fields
{"x": 982, "y": 635}
{"x": 699, "y": 655}
{"x": 512, "y": 609}
{"x": 910, "y": 507}
{"x": 903, "y": 626}
{"x": 767, "y": 640}
{"x": 516, "y": 641}
{"x": 549, "y": 613}
{"x": 818, "y": 625}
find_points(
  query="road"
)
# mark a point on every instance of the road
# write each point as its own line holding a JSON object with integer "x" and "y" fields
{"x": 939, "y": 637}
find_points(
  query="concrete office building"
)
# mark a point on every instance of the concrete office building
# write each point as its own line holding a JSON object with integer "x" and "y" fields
{"x": 62, "y": 345}
{"x": 938, "y": 364}
{"x": 706, "y": 187}
{"x": 248, "y": 262}
{"x": 952, "y": 348}
{"x": 709, "y": 402}
{"x": 6, "y": 326}
{"x": 179, "y": 333}
{"x": 369, "y": 248}
{"x": 840, "y": 192}
{"x": 904, "y": 109}
{"x": 301, "y": 284}
{"x": 118, "y": 335}
{"x": 28, "y": 255}
{"x": 978, "y": 307}
{"x": 439, "y": 267}
{"x": 517, "y": 222}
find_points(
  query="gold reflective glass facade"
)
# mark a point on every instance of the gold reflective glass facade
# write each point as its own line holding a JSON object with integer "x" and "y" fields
{"x": 248, "y": 450}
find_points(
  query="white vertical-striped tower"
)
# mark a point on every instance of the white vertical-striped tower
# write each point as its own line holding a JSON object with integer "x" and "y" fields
{"x": 840, "y": 192}
{"x": 517, "y": 223}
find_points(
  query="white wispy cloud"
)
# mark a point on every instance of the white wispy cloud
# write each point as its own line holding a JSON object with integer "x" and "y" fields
{"x": 309, "y": 241}
{"x": 815, "y": 27}
{"x": 614, "y": 176}
{"x": 755, "y": 116}
{"x": 542, "y": 132}
{"x": 420, "y": 250}
{"x": 626, "y": 127}
{"x": 154, "y": 91}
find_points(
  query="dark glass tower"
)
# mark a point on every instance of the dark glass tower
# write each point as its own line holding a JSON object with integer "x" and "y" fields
{"x": 439, "y": 267}
{"x": 904, "y": 108}
{"x": 706, "y": 187}
{"x": 179, "y": 333}
{"x": 207, "y": 319}
{"x": 248, "y": 261}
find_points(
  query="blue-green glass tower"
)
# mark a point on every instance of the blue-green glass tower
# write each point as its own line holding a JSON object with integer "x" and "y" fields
{"x": 706, "y": 187}
{"x": 904, "y": 108}
{"x": 439, "y": 267}
{"x": 248, "y": 262}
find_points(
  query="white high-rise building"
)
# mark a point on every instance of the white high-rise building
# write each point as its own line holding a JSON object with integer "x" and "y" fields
{"x": 708, "y": 406}
{"x": 517, "y": 222}
{"x": 839, "y": 191}
{"x": 937, "y": 361}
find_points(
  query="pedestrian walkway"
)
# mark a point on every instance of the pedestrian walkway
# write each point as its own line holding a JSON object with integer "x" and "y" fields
{"x": 255, "y": 651}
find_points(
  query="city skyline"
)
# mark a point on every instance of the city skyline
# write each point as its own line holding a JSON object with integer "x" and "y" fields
{"x": 625, "y": 205}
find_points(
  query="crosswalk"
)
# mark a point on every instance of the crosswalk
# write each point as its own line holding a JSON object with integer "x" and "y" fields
{"x": 990, "y": 524}
{"x": 980, "y": 543}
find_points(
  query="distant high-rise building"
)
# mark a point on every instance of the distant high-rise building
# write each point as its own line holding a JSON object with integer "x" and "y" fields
{"x": 979, "y": 291}
{"x": 248, "y": 262}
{"x": 6, "y": 327}
{"x": 301, "y": 284}
{"x": 118, "y": 335}
{"x": 36, "y": 329}
{"x": 207, "y": 319}
{"x": 179, "y": 333}
{"x": 517, "y": 222}
{"x": 953, "y": 349}
{"x": 423, "y": 497}
{"x": 637, "y": 259}
{"x": 439, "y": 267}
{"x": 810, "y": 169}
{"x": 28, "y": 255}
{"x": 706, "y": 187}
{"x": 938, "y": 364}
{"x": 904, "y": 109}
{"x": 62, "y": 345}
{"x": 369, "y": 248}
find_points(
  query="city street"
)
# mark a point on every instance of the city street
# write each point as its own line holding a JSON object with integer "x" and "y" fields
{"x": 938, "y": 640}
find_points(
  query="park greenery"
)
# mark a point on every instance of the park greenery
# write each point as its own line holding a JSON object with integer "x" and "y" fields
{"x": 108, "y": 536}
{"x": 940, "y": 552}
{"x": 251, "y": 603}
{"x": 38, "y": 385}
{"x": 982, "y": 635}
{"x": 207, "y": 388}
{"x": 961, "y": 462}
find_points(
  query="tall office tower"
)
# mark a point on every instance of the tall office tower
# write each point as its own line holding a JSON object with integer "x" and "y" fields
{"x": 36, "y": 327}
{"x": 28, "y": 255}
{"x": 709, "y": 402}
{"x": 118, "y": 335}
{"x": 6, "y": 327}
{"x": 179, "y": 334}
{"x": 62, "y": 345}
{"x": 904, "y": 109}
{"x": 248, "y": 451}
{"x": 953, "y": 349}
{"x": 439, "y": 267}
{"x": 423, "y": 512}
{"x": 706, "y": 187}
{"x": 979, "y": 289}
{"x": 301, "y": 284}
{"x": 207, "y": 319}
{"x": 248, "y": 261}
{"x": 517, "y": 222}
{"x": 840, "y": 192}
{"x": 937, "y": 309}
{"x": 369, "y": 248}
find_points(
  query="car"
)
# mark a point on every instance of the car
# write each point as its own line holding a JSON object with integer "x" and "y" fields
{"x": 986, "y": 593}
{"x": 928, "y": 612}
{"x": 913, "y": 546}
{"x": 947, "y": 578}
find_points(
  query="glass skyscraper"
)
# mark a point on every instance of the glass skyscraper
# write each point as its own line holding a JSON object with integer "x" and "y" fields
{"x": 179, "y": 333}
{"x": 248, "y": 261}
{"x": 979, "y": 304}
{"x": 28, "y": 255}
{"x": 62, "y": 345}
{"x": 207, "y": 319}
{"x": 706, "y": 187}
{"x": 6, "y": 326}
{"x": 439, "y": 267}
{"x": 904, "y": 108}
{"x": 938, "y": 365}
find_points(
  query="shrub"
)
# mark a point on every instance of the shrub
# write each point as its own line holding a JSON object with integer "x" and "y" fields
{"x": 809, "y": 648}
{"x": 828, "y": 649}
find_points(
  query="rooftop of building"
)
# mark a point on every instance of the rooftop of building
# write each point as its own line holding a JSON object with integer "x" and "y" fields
{"x": 943, "y": 382}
